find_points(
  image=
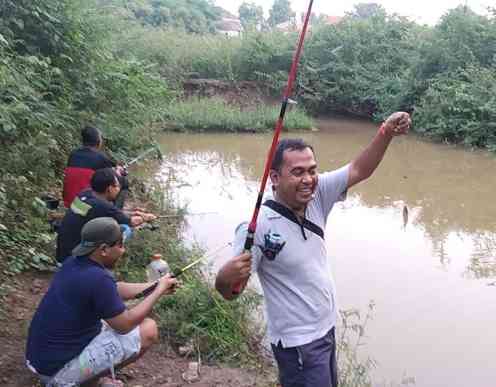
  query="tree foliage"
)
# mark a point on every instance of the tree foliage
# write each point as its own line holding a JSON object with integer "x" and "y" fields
{"x": 251, "y": 16}
{"x": 198, "y": 16}
{"x": 367, "y": 10}
{"x": 57, "y": 74}
{"x": 280, "y": 12}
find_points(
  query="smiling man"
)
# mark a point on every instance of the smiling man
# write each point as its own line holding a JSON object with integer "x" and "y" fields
{"x": 290, "y": 256}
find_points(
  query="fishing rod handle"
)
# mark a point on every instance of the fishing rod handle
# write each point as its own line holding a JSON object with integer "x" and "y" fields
{"x": 250, "y": 238}
{"x": 147, "y": 291}
{"x": 152, "y": 287}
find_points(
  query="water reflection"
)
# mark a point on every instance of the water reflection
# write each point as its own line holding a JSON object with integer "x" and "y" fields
{"x": 483, "y": 259}
{"x": 424, "y": 277}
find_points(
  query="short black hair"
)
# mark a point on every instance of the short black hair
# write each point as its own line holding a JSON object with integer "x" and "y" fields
{"x": 91, "y": 136}
{"x": 102, "y": 179}
{"x": 288, "y": 144}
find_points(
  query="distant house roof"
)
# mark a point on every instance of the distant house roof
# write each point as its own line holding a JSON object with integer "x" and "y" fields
{"x": 228, "y": 24}
{"x": 333, "y": 19}
{"x": 225, "y": 14}
{"x": 287, "y": 26}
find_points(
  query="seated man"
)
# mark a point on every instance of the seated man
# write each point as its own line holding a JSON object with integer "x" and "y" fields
{"x": 68, "y": 343}
{"x": 83, "y": 163}
{"x": 94, "y": 203}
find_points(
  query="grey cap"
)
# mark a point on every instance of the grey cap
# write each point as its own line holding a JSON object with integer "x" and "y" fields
{"x": 95, "y": 233}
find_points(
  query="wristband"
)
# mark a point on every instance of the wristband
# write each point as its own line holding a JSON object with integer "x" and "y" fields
{"x": 382, "y": 129}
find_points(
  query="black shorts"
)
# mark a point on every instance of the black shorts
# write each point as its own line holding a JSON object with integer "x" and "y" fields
{"x": 309, "y": 365}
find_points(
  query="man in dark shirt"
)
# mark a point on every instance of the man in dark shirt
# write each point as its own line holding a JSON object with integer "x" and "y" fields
{"x": 83, "y": 163}
{"x": 94, "y": 203}
{"x": 68, "y": 343}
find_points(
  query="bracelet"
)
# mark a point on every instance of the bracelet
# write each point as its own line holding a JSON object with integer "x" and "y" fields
{"x": 382, "y": 129}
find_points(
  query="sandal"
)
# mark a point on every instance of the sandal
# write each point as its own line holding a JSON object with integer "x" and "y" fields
{"x": 109, "y": 382}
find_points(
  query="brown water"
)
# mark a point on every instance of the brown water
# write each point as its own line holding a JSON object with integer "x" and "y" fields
{"x": 432, "y": 282}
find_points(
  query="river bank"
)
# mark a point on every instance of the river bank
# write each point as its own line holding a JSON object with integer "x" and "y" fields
{"x": 218, "y": 335}
{"x": 162, "y": 366}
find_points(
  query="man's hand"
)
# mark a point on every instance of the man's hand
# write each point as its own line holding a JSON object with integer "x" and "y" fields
{"x": 397, "y": 124}
{"x": 136, "y": 221}
{"x": 120, "y": 170}
{"x": 147, "y": 217}
{"x": 235, "y": 272}
{"x": 167, "y": 285}
{"x": 237, "y": 269}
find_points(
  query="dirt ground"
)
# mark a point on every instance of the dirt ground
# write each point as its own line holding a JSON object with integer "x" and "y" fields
{"x": 161, "y": 366}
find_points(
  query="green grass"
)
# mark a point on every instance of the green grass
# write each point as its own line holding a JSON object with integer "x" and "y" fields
{"x": 196, "y": 314}
{"x": 214, "y": 114}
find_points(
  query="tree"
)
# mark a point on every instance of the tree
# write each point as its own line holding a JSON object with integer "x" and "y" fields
{"x": 251, "y": 15}
{"x": 367, "y": 10}
{"x": 197, "y": 16}
{"x": 280, "y": 12}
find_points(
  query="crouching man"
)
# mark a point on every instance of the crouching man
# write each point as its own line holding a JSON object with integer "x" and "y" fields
{"x": 82, "y": 329}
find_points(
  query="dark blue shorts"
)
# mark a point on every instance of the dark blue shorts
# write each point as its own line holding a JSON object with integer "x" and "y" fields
{"x": 309, "y": 365}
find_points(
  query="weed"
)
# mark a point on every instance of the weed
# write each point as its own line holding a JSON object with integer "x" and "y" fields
{"x": 213, "y": 114}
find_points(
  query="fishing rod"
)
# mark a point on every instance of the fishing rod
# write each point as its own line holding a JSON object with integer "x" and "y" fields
{"x": 154, "y": 148}
{"x": 186, "y": 214}
{"x": 277, "y": 131}
{"x": 179, "y": 272}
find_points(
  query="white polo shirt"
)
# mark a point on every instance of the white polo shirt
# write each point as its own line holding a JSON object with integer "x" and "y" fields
{"x": 297, "y": 284}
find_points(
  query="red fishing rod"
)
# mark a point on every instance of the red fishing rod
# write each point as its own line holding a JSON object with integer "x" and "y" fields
{"x": 277, "y": 131}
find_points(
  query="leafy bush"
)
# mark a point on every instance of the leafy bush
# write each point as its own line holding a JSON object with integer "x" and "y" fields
{"x": 359, "y": 66}
{"x": 57, "y": 74}
{"x": 460, "y": 107}
{"x": 199, "y": 16}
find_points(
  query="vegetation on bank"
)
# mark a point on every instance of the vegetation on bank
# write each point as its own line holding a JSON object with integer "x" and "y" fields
{"x": 195, "y": 316}
{"x": 56, "y": 74}
{"x": 214, "y": 114}
{"x": 369, "y": 64}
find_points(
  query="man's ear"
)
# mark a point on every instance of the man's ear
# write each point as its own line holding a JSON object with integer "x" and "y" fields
{"x": 274, "y": 177}
{"x": 103, "y": 249}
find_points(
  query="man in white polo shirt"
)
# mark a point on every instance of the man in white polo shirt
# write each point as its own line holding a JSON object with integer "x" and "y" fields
{"x": 289, "y": 255}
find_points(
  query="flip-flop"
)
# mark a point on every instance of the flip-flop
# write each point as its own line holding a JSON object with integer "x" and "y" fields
{"x": 109, "y": 382}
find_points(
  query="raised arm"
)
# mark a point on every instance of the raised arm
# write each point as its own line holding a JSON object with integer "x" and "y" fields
{"x": 366, "y": 163}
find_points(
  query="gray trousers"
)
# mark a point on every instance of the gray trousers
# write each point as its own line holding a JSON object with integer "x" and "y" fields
{"x": 309, "y": 365}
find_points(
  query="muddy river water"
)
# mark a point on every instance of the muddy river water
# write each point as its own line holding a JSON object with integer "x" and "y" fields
{"x": 432, "y": 282}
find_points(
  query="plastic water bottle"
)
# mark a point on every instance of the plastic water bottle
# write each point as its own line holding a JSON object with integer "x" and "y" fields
{"x": 156, "y": 268}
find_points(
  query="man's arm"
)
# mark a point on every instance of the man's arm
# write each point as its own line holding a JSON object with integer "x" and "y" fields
{"x": 366, "y": 163}
{"x": 131, "y": 318}
{"x": 128, "y": 291}
{"x": 235, "y": 272}
{"x": 121, "y": 217}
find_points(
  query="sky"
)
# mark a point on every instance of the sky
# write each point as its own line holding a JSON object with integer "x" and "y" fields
{"x": 422, "y": 11}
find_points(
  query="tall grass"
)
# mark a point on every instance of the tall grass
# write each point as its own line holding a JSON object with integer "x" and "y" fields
{"x": 214, "y": 114}
{"x": 196, "y": 314}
